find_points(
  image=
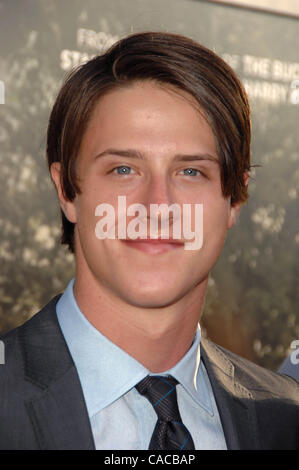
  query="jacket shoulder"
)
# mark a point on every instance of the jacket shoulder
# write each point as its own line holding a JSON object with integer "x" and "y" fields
{"x": 259, "y": 380}
{"x": 13, "y": 339}
{"x": 32, "y": 321}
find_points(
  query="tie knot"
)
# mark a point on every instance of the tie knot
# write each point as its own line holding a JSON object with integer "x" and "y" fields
{"x": 161, "y": 392}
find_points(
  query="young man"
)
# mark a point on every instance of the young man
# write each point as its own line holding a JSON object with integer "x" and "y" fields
{"x": 117, "y": 361}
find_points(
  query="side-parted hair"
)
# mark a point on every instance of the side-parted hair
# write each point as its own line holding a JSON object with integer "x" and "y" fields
{"x": 166, "y": 58}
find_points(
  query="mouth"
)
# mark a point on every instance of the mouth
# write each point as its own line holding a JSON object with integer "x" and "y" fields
{"x": 154, "y": 246}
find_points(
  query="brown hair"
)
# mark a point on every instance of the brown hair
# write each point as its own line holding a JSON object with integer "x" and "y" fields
{"x": 166, "y": 58}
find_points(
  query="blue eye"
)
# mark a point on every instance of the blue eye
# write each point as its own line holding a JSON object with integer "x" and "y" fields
{"x": 123, "y": 170}
{"x": 191, "y": 172}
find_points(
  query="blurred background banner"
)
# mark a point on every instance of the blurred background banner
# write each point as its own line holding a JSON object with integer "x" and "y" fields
{"x": 252, "y": 305}
{"x": 284, "y": 7}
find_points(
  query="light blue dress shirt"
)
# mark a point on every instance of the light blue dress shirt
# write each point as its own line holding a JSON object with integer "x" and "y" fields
{"x": 121, "y": 418}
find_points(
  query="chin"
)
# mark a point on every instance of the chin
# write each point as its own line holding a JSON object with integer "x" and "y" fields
{"x": 155, "y": 296}
{"x": 151, "y": 302}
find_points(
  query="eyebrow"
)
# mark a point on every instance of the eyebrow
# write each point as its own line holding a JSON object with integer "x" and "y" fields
{"x": 131, "y": 153}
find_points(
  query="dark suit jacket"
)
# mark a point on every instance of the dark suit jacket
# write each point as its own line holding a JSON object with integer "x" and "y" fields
{"x": 42, "y": 404}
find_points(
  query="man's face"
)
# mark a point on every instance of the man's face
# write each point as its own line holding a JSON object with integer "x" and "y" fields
{"x": 161, "y": 126}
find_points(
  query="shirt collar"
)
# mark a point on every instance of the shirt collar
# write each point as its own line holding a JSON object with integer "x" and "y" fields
{"x": 107, "y": 372}
{"x": 189, "y": 373}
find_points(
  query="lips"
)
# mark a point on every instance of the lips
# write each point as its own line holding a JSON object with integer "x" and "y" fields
{"x": 154, "y": 246}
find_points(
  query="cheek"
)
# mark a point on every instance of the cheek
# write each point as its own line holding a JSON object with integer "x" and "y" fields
{"x": 216, "y": 216}
{"x": 86, "y": 219}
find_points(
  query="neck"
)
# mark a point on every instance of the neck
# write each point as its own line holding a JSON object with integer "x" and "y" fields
{"x": 156, "y": 337}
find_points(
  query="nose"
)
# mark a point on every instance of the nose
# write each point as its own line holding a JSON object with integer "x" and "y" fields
{"x": 157, "y": 191}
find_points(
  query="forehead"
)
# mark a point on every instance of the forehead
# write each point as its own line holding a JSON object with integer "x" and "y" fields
{"x": 148, "y": 114}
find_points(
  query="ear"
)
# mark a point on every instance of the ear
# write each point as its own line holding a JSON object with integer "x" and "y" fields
{"x": 68, "y": 207}
{"x": 234, "y": 211}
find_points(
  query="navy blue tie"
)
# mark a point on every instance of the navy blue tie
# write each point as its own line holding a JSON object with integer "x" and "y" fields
{"x": 170, "y": 433}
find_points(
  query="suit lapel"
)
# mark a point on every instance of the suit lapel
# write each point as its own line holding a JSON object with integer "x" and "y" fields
{"x": 57, "y": 409}
{"x": 234, "y": 401}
